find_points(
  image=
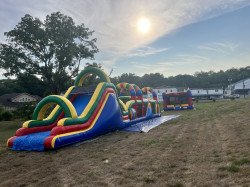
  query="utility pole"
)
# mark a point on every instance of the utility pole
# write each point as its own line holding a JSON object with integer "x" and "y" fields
{"x": 244, "y": 89}
{"x": 230, "y": 80}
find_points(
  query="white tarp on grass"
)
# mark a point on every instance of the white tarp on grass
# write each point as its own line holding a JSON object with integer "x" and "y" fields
{"x": 146, "y": 126}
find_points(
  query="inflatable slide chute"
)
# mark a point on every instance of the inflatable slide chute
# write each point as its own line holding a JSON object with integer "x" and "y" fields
{"x": 82, "y": 113}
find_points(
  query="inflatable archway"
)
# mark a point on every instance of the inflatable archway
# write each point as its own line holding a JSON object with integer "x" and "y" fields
{"x": 145, "y": 90}
{"x": 128, "y": 87}
{"x": 91, "y": 71}
{"x": 44, "y": 104}
{"x": 137, "y": 91}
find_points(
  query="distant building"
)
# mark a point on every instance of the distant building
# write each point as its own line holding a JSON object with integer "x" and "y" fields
{"x": 161, "y": 90}
{"x": 201, "y": 93}
{"x": 14, "y": 100}
{"x": 241, "y": 87}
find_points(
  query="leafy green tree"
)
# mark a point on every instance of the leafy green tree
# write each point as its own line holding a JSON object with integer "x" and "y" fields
{"x": 94, "y": 64}
{"x": 209, "y": 79}
{"x": 31, "y": 84}
{"x": 153, "y": 80}
{"x": 51, "y": 49}
{"x": 10, "y": 86}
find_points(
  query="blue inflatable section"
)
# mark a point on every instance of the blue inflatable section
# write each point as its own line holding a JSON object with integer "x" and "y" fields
{"x": 80, "y": 102}
{"x": 31, "y": 142}
{"x": 35, "y": 141}
{"x": 109, "y": 120}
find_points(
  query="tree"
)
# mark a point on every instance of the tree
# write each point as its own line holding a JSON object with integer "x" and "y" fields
{"x": 32, "y": 84}
{"x": 129, "y": 78}
{"x": 153, "y": 80}
{"x": 51, "y": 49}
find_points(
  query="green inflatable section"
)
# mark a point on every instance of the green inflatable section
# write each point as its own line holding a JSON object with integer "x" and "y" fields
{"x": 43, "y": 105}
{"x": 89, "y": 71}
{"x": 66, "y": 107}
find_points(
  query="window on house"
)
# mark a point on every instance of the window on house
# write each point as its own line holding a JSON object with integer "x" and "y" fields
{"x": 198, "y": 91}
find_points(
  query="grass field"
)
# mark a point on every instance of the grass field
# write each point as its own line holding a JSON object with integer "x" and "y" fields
{"x": 209, "y": 146}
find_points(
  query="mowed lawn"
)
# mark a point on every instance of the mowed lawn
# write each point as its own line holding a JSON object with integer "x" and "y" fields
{"x": 208, "y": 146}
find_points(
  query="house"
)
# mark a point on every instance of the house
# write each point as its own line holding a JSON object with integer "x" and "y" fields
{"x": 241, "y": 87}
{"x": 201, "y": 93}
{"x": 13, "y": 100}
{"x": 160, "y": 91}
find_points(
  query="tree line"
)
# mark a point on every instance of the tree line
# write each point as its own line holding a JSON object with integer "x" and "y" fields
{"x": 211, "y": 79}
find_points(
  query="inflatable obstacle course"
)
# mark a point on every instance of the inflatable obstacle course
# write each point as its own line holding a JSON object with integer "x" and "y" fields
{"x": 177, "y": 101}
{"x": 85, "y": 112}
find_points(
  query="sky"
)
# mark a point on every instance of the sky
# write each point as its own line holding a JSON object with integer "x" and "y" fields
{"x": 183, "y": 37}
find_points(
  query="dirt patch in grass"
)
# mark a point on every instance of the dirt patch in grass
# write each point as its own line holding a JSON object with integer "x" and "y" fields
{"x": 208, "y": 146}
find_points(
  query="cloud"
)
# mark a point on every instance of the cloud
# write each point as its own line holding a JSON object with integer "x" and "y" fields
{"x": 169, "y": 66}
{"x": 115, "y": 22}
{"x": 188, "y": 59}
{"x": 157, "y": 67}
{"x": 219, "y": 47}
{"x": 145, "y": 51}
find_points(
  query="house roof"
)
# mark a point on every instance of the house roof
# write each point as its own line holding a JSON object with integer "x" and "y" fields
{"x": 5, "y": 99}
{"x": 240, "y": 81}
{"x": 18, "y": 94}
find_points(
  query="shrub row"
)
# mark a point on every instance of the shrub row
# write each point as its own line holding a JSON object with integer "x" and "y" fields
{"x": 22, "y": 112}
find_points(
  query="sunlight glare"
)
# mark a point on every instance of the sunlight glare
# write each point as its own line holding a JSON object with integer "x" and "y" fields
{"x": 143, "y": 25}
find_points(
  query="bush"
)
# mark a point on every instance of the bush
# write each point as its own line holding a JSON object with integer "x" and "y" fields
{"x": 7, "y": 116}
{"x": 25, "y": 111}
{"x": 1, "y": 111}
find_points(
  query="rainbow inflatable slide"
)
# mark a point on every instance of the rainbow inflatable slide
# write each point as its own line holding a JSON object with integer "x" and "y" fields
{"x": 85, "y": 112}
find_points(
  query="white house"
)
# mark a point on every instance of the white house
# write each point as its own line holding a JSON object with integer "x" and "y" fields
{"x": 241, "y": 87}
{"x": 13, "y": 100}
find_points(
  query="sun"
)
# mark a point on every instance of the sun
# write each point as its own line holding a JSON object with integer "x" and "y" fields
{"x": 143, "y": 25}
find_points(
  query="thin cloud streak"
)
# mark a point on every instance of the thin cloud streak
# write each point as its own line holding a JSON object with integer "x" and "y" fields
{"x": 146, "y": 51}
{"x": 219, "y": 47}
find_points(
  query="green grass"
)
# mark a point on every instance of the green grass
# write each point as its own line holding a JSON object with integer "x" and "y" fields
{"x": 230, "y": 168}
{"x": 241, "y": 162}
{"x": 149, "y": 142}
{"x": 166, "y": 156}
{"x": 7, "y": 129}
{"x": 234, "y": 166}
